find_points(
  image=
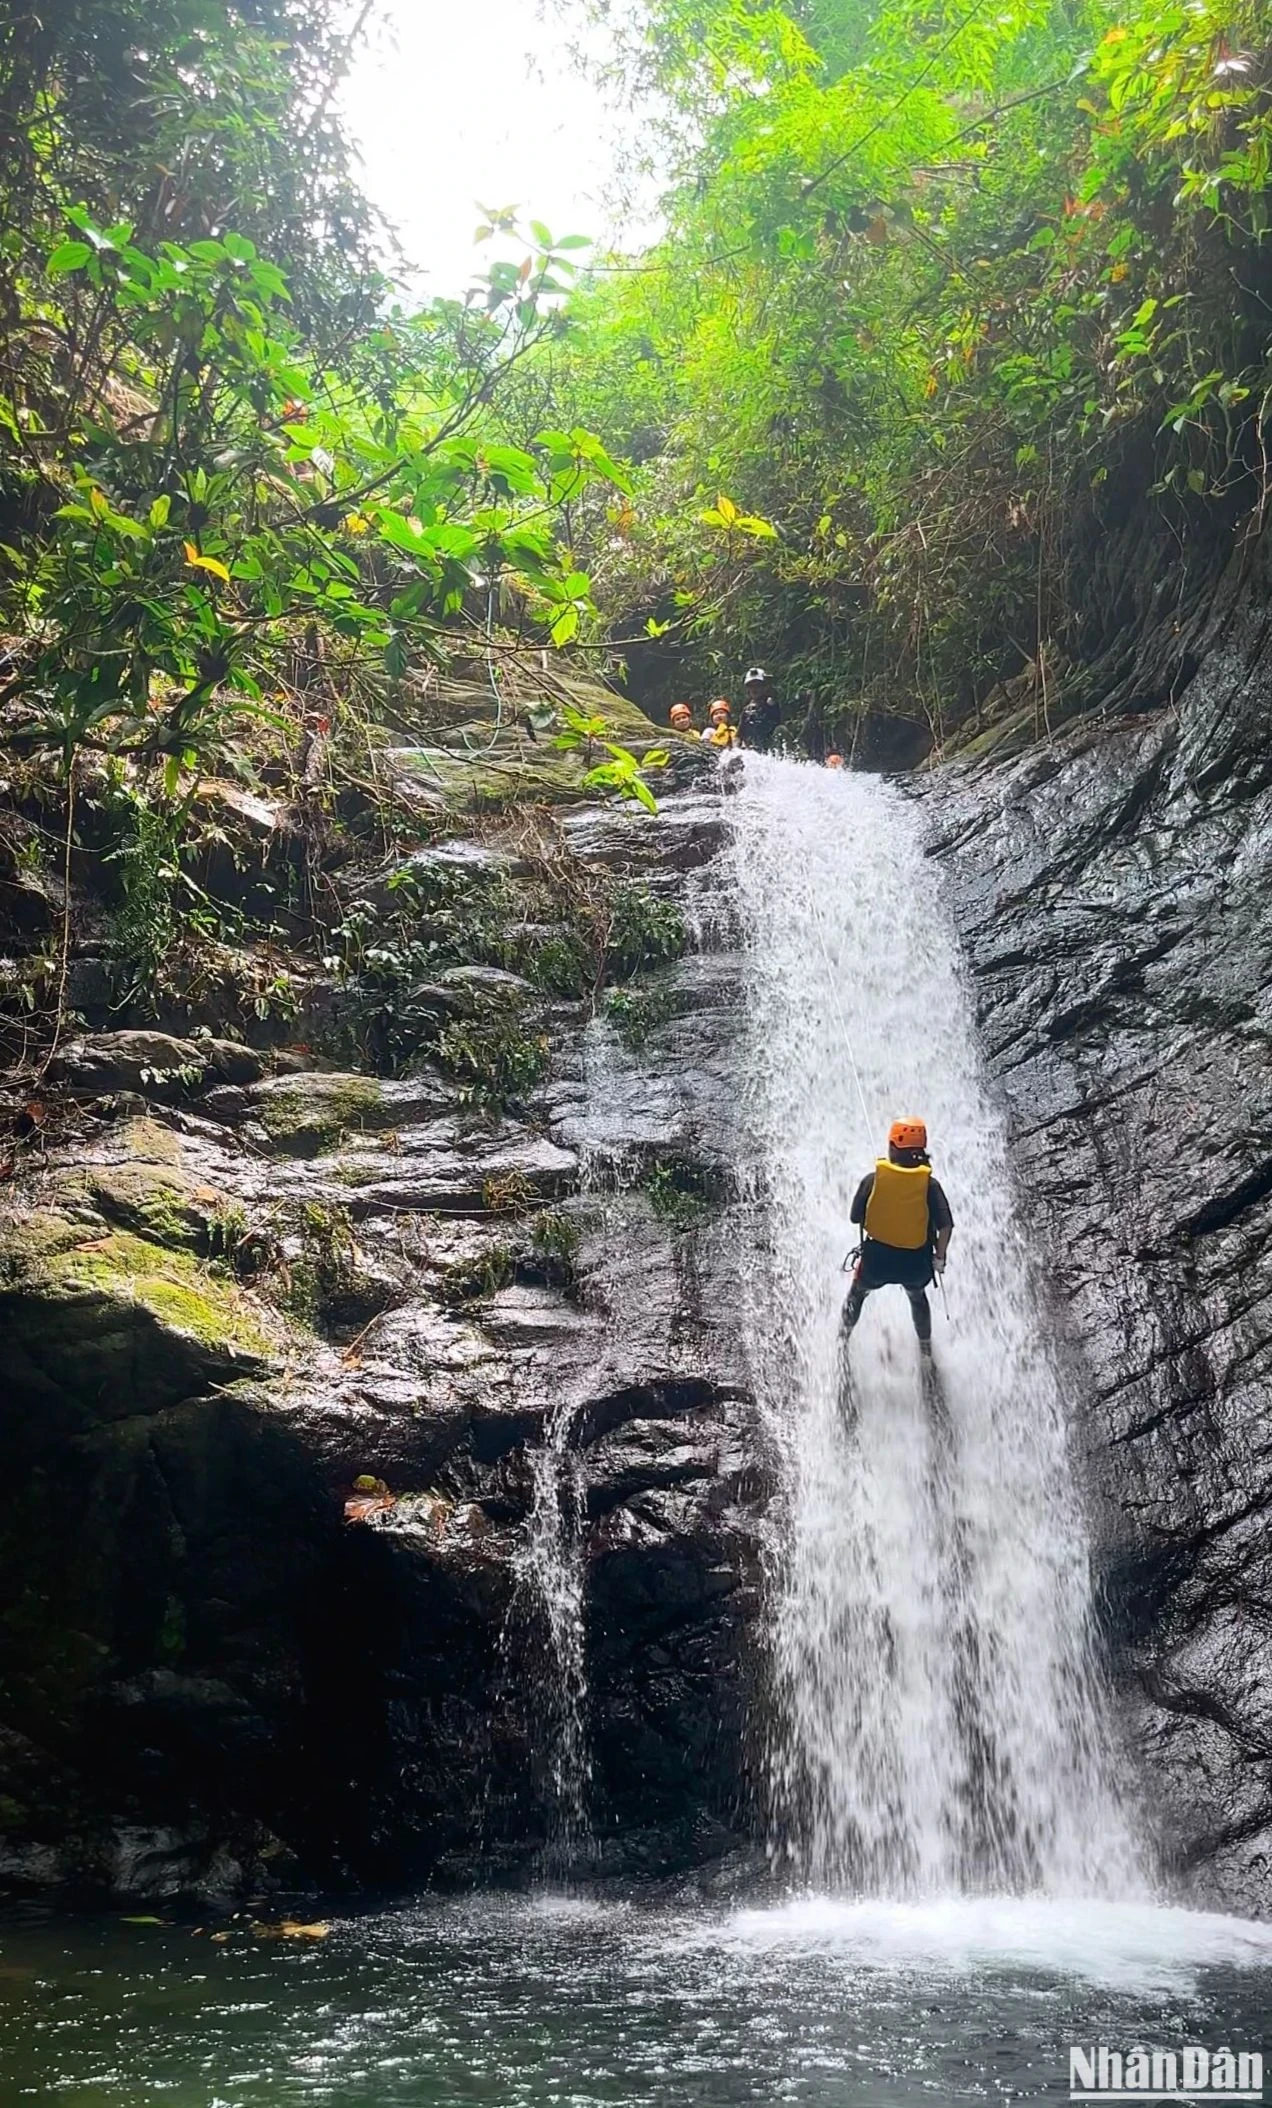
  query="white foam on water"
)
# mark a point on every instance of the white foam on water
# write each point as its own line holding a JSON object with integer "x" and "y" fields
{"x": 939, "y": 1724}
{"x": 1141, "y": 1948}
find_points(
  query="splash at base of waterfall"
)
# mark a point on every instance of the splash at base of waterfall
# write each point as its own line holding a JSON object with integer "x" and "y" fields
{"x": 940, "y": 1724}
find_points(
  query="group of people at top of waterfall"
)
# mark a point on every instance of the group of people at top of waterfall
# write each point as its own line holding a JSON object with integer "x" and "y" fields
{"x": 758, "y": 725}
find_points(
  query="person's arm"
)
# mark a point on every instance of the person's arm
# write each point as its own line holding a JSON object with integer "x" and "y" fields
{"x": 942, "y": 1224}
{"x": 857, "y": 1212}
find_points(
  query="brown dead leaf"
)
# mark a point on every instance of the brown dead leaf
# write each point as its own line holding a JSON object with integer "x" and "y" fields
{"x": 364, "y": 1505}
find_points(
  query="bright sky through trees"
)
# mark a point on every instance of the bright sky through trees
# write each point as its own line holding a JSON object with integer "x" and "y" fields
{"x": 456, "y": 103}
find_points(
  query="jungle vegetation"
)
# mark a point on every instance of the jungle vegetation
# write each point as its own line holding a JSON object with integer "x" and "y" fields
{"x": 948, "y": 294}
{"x": 947, "y": 377}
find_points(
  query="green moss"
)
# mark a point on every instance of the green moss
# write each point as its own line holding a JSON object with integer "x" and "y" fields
{"x": 539, "y": 777}
{"x": 315, "y": 1112}
{"x": 149, "y": 1142}
{"x": 325, "y": 1268}
{"x": 29, "y": 1242}
{"x": 161, "y": 1205}
{"x": 175, "y": 1288}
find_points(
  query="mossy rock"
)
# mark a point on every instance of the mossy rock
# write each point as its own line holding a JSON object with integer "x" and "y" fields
{"x": 485, "y": 764}
{"x": 163, "y": 1206}
{"x": 305, "y": 1114}
{"x": 147, "y": 1141}
{"x": 483, "y": 781}
{"x": 146, "y": 1191}
{"x": 100, "y": 1324}
{"x": 179, "y": 1291}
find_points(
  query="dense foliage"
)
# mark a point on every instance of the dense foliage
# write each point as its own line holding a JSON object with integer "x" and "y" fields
{"x": 248, "y": 499}
{"x": 224, "y": 448}
{"x": 946, "y": 292}
{"x": 948, "y": 376}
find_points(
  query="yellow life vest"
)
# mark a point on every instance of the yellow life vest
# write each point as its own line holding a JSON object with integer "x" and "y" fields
{"x": 721, "y": 736}
{"x": 897, "y": 1210}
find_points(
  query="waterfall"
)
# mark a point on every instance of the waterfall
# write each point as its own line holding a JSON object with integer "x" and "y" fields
{"x": 551, "y": 1570}
{"x": 939, "y": 1718}
{"x": 551, "y": 1565}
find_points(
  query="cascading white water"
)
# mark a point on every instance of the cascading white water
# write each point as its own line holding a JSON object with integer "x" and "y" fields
{"x": 551, "y": 1565}
{"x": 939, "y": 1723}
{"x": 551, "y": 1570}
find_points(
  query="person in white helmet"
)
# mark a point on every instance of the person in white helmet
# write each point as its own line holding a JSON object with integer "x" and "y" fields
{"x": 761, "y": 712}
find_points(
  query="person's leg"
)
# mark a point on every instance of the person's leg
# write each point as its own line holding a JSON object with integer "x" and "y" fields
{"x": 921, "y": 1313}
{"x": 853, "y": 1306}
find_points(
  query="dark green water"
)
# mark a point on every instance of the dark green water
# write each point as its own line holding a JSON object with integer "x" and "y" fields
{"x": 499, "y": 2004}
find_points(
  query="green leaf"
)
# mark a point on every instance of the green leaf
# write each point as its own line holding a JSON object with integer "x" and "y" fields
{"x": 71, "y": 256}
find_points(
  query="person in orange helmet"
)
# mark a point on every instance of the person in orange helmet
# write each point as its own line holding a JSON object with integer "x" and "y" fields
{"x": 721, "y": 730}
{"x": 834, "y": 761}
{"x": 906, "y": 1228}
{"x": 680, "y": 717}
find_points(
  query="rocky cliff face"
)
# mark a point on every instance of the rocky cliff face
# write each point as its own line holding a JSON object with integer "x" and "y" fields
{"x": 317, "y": 1585}
{"x": 1112, "y": 891}
{"x": 282, "y": 1575}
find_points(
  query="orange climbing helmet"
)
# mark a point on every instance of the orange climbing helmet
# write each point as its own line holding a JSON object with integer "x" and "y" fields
{"x": 681, "y": 715}
{"x": 721, "y": 707}
{"x": 834, "y": 761}
{"x": 907, "y": 1134}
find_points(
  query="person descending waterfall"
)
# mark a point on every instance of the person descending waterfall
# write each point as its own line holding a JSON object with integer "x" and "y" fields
{"x": 907, "y": 1224}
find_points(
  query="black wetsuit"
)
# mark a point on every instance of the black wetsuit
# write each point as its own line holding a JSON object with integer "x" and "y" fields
{"x": 758, "y": 723}
{"x": 887, "y": 1265}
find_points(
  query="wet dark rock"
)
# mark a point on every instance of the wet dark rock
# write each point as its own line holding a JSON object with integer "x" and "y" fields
{"x": 223, "y": 1319}
{"x": 152, "y": 1062}
{"x": 1112, "y": 893}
